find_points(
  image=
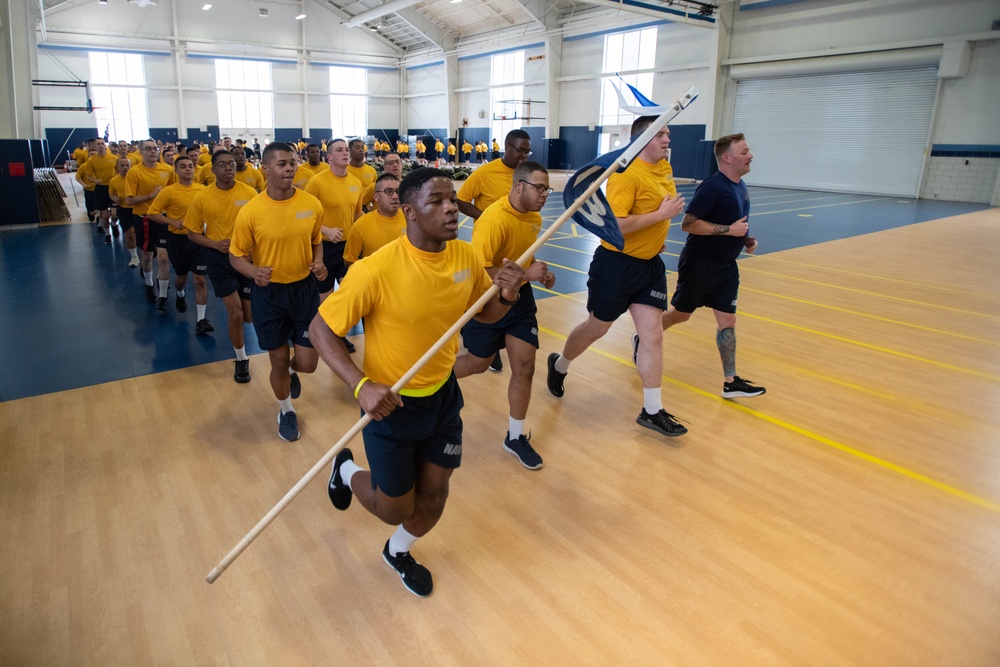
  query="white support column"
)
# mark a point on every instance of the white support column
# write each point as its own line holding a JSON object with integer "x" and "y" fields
{"x": 181, "y": 118}
{"x": 18, "y": 46}
{"x": 304, "y": 65}
{"x": 404, "y": 111}
{"x": 715, "y": 97}
{"x": 450, "y": 96}
{"x": 553, "y": 62}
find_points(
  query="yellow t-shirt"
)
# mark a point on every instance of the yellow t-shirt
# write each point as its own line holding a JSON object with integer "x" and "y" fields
{"x": 467, "y": 148}
{"x": 141, "y": 180}
{"x": 205, "y": 174}
{"x": 487, "y": 184}
{"x": 279, "y": 234}
{"x": 103, "y": 168}
{"x": 367, "y": 175}
{"x": 135, "y": 158}
{"x": 408, "y": 298}
{"x": 204, "y": 158}
{"x": 503, "y": 231}
{"x": 637, "y": 190}
{"x": 371, "y": 232}
{"x": 84, "y": 176}
{"x": 251, "y": 176}
{"x": 213, "y": 210}
{"x": 318, "y": 169}
{"x": 451, "y": 149}
{"x": 80, "y": 155}
{"x": 119, "y": 189}
{"x": 438, "y": 146}
{"x": 340, "y": 197}
{"x": 496, "y": 147}
{"x": 174, "y": 202}
{"x": 302, "y": 176}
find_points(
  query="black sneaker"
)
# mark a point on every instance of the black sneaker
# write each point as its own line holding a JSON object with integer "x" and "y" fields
{"x": 415, "y": 576}
{"x": 107, "y": 239}
{"x": 181, "y": 303}
{"x": 150, "y": 294}
{"x": 349, "y": 345}
{"x": 288, "y": 426}
{"x": 242, "y": 372}
{"x": 740, "y": 388}
{"x": 555, "y": 379}
{"x": 296, "y": 386}
{"x": 497, "y": 364}
{"x": 522, "y": 449}
{"x": 662, "y": 422}
{"x": 116, "y": 230}
{"x": 635, "y": 349}
{"x": 161, "y": 304}
{"x": 203, "y": 326}
{"x": 340, "y": 493}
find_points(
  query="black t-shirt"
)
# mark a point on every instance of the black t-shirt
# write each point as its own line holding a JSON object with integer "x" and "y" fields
{"x": 720, "y": 201}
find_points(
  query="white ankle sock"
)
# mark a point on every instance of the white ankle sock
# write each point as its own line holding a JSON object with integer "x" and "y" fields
{"x": 286, "y": 405}
{"x": 562, "y": 364}
{"x": 163, "y": 287}
{"x": 651, "y": 400}
{"x": 181, "y": 292}
{"x": 201, "y": 311}
{"x": 515, "y": 428}
{"x": 148, "y": 276}
{"x": 241, "y": 352}
{"x": 401, "y": 541}
{"x": 347, "y": 470}
{"x": 134, "y": 253}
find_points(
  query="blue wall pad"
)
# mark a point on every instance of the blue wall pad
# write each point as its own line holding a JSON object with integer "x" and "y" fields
{"x": 581, "y": 144}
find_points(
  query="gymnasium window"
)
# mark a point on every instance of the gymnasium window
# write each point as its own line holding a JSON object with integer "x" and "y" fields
{"x": 118, "y": 91}
{"x": 627, "y": 53}
{"x": 507, "y": 72}
{"x": 246, "y": 100}
{"x": 349, "y": 101}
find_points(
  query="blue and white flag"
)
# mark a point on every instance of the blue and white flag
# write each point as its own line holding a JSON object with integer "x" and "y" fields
{"x": 595, "y": 214}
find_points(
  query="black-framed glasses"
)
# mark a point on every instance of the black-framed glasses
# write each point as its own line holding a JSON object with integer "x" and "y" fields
{"x": 539, "y": 188}
{"x": 526, "y": 152}
{"x": 387, "y": 191}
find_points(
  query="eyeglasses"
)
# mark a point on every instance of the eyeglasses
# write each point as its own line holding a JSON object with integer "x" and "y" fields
{"x": 523, "y": 151}
{"x": 539, "y": 188}
{"x": 388, "y": 191}
{"x": 226, "y": 164}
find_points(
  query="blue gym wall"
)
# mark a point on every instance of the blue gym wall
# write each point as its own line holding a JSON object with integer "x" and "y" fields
{"x": 580, "y": 145}
{"x": 385, "y": 134}
{"x": 57, "y": 135}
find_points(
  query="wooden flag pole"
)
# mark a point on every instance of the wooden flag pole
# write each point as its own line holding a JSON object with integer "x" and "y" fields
{"x": 447, "y": 336}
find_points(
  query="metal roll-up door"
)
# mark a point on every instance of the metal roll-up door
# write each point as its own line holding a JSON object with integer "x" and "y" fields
{"x": 862, "y": 132}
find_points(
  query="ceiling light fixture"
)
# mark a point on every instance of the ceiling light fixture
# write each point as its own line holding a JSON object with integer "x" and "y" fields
{"x": 374, "y": 28}
{"x": 206, "y": 7}
{"x": 102, "y": 2}
{"x": 300, "y": 17}
{"x": 455, "y": 2}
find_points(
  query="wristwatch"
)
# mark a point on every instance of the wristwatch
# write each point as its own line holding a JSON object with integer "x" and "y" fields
{"x": 505, "y": 301}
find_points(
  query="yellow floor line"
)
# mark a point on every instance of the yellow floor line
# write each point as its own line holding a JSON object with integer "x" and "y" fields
{"x": 884, "y": 350}
{"x": 874, "y": 317}
{"x": 809, "y": 208}
{"x": 870, "y": 275}
{"x": 922, "y": 304}
{"x": 882, "y": 463}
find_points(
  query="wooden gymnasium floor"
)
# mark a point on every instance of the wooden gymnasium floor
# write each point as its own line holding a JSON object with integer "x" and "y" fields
{"x": 851, "y": 516}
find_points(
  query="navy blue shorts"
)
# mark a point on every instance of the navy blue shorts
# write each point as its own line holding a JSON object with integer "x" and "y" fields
{"x": 185, "y": 255}
{"x": 102, "y": 200}
{"x": 705, "y": 281}
{"x": 333, "y": 259}
{"x": 89, "y": 201}
{"x": 427, "y": 428}
{"x": 158, "y": 232}
{"x": 521, "y": 322}
{"x": 618, "y": 280}
{"x": 282, "y": 312}
{"x": 125, "y": 218}
{"x": 225, "y": 279}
